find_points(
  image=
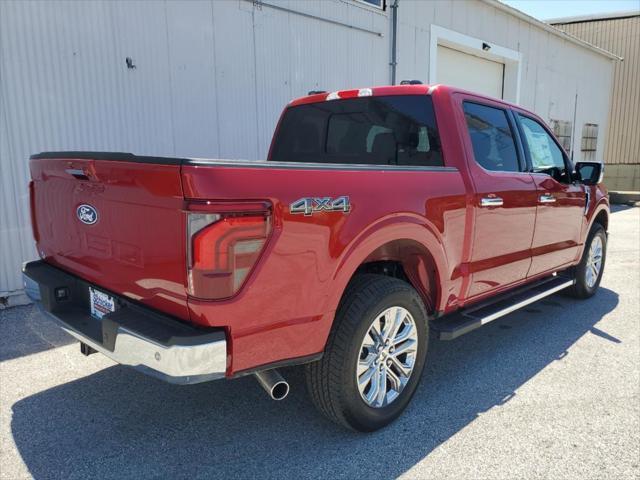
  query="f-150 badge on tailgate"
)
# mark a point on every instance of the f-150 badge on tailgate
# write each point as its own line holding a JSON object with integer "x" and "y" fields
{"x": 87, "y": 214}
{"x": 310, "y": 205}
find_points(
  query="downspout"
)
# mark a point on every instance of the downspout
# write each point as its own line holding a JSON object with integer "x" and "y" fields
{"x": 573, "y": 126}
{"x": 394, "y": 34}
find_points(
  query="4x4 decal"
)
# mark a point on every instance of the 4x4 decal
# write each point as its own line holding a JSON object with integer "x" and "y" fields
{"x": 310, "y": 205}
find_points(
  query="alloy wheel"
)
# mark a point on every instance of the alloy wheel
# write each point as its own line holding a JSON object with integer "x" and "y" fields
{"x": 387, "y": 357}
{"x": 594, "y": 261}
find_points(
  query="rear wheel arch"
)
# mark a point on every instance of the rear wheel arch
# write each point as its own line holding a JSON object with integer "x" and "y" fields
{"x": 407, "y": 260}
{"x": 372, "y": 251}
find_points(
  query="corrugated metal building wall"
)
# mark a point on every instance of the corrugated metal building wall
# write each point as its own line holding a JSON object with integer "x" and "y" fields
{"x": 619, "y": 35}
{"x": 211, "y": 77}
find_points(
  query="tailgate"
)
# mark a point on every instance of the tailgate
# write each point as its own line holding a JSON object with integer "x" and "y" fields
{"x": 117, "y": 224}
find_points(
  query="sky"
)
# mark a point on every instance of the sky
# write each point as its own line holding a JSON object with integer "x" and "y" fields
{"x": 545, "y": 9}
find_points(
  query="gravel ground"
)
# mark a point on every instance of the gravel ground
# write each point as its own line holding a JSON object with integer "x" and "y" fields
{"x": 550, "y": 392}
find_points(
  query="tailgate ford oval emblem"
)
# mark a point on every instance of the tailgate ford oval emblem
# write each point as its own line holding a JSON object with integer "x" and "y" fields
{"x": 87, "y": 214}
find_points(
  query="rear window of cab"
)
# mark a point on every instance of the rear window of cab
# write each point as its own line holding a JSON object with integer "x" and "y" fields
{"x": 390, "y": 130}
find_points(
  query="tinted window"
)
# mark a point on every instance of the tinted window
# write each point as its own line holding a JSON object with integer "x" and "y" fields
{"x": 545, "y": 153}
{"x": 394, "y": 130}
{"x": 493, "y": 144}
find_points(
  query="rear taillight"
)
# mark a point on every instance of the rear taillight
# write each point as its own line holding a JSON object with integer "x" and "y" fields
{"x": 223, "y": 248}
{"x": 32, "y": 210}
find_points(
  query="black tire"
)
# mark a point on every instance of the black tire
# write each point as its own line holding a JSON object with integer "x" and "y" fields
{"x": 331, "y": 381}
{"x": 582, "y": 289}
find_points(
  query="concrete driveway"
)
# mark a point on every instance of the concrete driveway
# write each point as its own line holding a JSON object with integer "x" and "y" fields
{"x": 550, "y": 392}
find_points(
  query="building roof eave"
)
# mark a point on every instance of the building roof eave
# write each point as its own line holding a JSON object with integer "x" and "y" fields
{"x": 551, "y": 29}
{"x": 594, "y": 17}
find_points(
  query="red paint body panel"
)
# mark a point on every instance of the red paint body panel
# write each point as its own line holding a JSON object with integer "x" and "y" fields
{"x": 375, "y": 91}
{"x": 137, "y": 246}
{"x": 501, "y": 238}
{"x": 558, "y": 234}
{"x": 286, "y": 308}
{"x": 453, "y": 251}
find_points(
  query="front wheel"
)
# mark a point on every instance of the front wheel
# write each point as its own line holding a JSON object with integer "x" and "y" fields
{"x": 588, "y": 273}
{"x": 375, "y": 354}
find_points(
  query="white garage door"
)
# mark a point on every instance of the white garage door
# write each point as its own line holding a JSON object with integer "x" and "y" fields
{"x": 467, "y": 71}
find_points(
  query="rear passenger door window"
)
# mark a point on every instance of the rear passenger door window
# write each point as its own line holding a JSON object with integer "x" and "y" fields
{"x": 492, "y": 137}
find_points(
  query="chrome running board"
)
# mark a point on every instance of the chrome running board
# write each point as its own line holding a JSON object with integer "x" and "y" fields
{"x": 466, "y": 320}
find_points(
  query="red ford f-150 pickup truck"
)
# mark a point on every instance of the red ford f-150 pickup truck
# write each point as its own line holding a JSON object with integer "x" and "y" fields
{"x": 381, "y": 215}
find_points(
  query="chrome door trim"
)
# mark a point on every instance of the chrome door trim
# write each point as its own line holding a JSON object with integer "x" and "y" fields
{"x": 491, "y": 202}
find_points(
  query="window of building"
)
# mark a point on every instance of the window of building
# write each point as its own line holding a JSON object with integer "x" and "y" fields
{"x": 562, "y": 131}
{"x": 589, "y": 142}
{"x": 376, "y": 3}
{"x": 493, "y": 145}
{"x": 394, "y": 130}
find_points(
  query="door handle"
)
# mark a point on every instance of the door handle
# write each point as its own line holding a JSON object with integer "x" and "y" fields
{"x": 77, "y": 173}
{"x": 491, "y": 202}
{"x": 546, "y": 198}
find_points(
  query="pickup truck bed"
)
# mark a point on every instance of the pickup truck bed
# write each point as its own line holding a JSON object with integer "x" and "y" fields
{"x": 133, "y": 251}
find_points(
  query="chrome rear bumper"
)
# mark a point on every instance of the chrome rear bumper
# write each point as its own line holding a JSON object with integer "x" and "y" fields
{"x": 133, "y": 335}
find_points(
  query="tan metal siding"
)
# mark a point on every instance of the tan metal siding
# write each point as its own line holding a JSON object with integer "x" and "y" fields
{"x": 621, "y": 37}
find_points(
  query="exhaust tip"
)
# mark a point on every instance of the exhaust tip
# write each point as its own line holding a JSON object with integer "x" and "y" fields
{"x": 280, "y": 390}
{"x": 273, "y": 383}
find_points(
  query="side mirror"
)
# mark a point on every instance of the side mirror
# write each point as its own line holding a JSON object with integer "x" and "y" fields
{"x": 589, "y": 173}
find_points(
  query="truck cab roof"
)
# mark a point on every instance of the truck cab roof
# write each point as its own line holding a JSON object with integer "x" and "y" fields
{"x": 388, "y": 90}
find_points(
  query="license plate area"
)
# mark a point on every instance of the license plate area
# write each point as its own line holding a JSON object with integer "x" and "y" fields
{"x": 101, "y": 303}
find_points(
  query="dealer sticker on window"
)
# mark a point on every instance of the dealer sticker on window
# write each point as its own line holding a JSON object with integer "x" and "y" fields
{"x": 101, "y": 303}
